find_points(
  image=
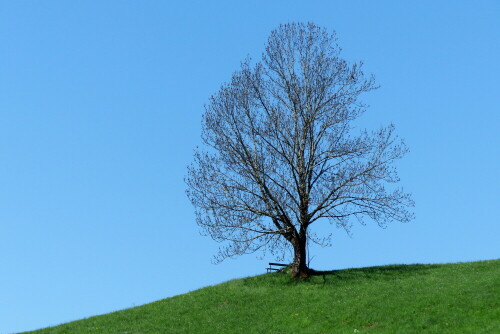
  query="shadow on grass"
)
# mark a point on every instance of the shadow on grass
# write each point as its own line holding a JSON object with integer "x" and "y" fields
{"x": 379, "y": 272}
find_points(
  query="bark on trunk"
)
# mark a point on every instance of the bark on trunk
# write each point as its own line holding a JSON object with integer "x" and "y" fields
{"x": 299, "y": 265}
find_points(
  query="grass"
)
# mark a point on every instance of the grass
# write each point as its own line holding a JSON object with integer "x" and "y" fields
{"x": 449, "y": 298}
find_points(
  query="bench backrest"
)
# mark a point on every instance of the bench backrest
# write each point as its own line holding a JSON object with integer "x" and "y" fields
{"x": 278, "y": 264}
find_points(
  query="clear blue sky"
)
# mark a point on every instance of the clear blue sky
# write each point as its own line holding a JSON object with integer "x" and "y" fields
{"x": 100, "y": 109}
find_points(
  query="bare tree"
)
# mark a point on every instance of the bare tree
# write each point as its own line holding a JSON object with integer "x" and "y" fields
{"x": 282, "y": 152}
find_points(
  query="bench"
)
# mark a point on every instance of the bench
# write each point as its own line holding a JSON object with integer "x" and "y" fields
{"x": 272, "y": 265}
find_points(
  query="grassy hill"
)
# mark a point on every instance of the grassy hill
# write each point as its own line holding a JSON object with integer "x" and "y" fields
{"x": 449, "y": 298}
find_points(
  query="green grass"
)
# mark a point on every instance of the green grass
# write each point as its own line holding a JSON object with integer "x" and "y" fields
{"x": 449, "y": 298}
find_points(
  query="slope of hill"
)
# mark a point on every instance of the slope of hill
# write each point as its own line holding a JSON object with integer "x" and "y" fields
{"x": 438, "y": 298}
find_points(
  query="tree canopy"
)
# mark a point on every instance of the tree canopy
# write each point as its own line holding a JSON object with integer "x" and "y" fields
{"x": 281, "y": 151}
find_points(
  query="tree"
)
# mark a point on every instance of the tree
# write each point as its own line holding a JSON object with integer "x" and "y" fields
{"x": 282, "y": 151}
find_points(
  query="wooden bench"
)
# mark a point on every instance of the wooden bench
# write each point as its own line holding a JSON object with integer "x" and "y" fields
{"x": 272, "y": 264}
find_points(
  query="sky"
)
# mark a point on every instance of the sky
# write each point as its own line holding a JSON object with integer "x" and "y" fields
{"x": 100, "y": 111}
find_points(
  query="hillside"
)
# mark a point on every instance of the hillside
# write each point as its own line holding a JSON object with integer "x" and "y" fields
{"x": 448, "y": 298}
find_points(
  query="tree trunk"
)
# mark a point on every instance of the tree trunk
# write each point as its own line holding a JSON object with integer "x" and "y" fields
{"x": 299, "y": 265}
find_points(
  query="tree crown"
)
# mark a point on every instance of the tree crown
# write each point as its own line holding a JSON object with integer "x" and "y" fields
{"x": 281, "y": 152}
